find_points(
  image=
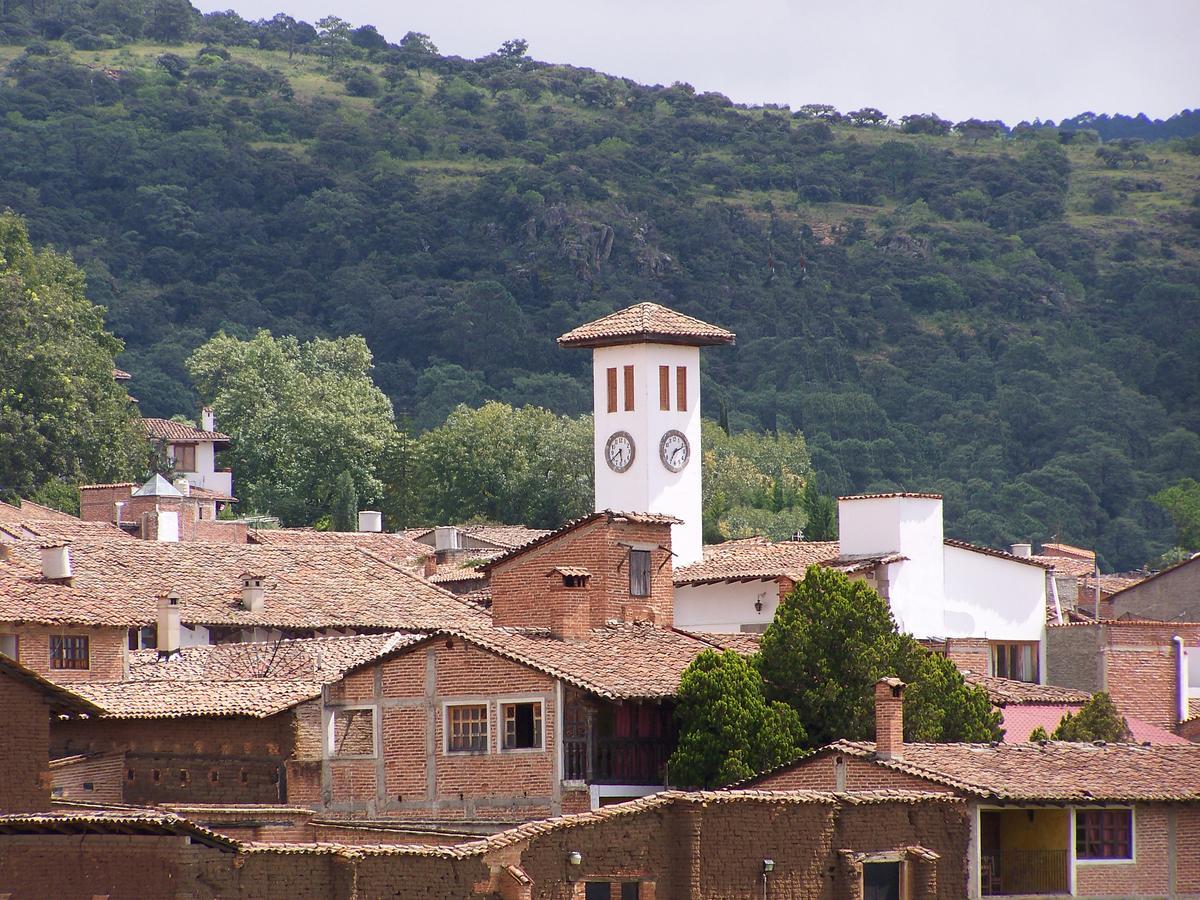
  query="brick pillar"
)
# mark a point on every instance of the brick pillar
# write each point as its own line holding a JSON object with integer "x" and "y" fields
{"x": 889, "y": 718}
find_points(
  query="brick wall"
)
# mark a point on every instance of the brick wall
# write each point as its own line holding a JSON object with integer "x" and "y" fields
{"x": 1145, "y": 877}
{"x": 1072, "y": 657}
{"x": 24, "y": 743}
{"x": 96, "y": 778}
{"x": 108, "y": 652}
{"x": 821, "y": 773}
{"x": 404, "y": 779}
{"x": 525, "y": 592}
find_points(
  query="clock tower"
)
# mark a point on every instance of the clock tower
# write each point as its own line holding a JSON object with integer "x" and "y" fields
{"x": 646, "y": 410}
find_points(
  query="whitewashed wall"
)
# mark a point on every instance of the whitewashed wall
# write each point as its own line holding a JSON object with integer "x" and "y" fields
{"x": 987, "y": 596}
{"x": 724, "y": 607}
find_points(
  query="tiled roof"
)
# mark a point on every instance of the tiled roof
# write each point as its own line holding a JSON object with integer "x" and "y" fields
{"x": 989, "y": 551}
{"x": 60, "y": 700}
{"x": 396, "y": 548}
{"x": 611, "y": 515}
{"x": 120, "y": 374}
{"x": 578, "y": 571}
{"x": 505, "y": 537}
{"x": 168, "y": 430}
{"x": 27, "y": 598}
{"x": 113, "y": 822}
{"x": 174, "y": 699}
{"x": 755, "y": 558}
{"x": 646, "y": 322}
{"x": 1021, "y": 720}
{"x": 1067, "y": 565}
{"x": 307, "y": 586}
{"x": 1111, "y": 584}
{"x": 62, "y": 530}
{"x": 888, "y": 494}
{"x": 1050, "y": 771}
{"x": 620, "y": 661}
{"x": 28, "y": 511}
{"x": 202, "y": 493}
{"x": 1007, "y": 691}
{"x": 1060, "y": 551}
{"x": 745, "y": 643}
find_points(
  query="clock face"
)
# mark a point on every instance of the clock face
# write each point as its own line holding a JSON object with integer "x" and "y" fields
{"x": 619, "y": 451}
{"x": 674, "y": 450}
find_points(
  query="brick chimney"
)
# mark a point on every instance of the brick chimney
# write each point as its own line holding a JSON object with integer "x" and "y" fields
{"x": 889, "y": 718}
{"x": 431, "y": 565}
{"x": 168, "y": 625}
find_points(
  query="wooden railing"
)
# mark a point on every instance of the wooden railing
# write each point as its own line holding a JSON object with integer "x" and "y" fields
{"x": 615, "y": 760}
{"x": 1008, "y": 872}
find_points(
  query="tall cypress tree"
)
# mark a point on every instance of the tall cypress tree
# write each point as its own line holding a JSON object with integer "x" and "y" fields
{"x": 344, "y": 511}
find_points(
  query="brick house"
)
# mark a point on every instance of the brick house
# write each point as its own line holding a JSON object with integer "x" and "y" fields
{"x": 672, "y": 846}
{"x": 1045, "y": 818}
{"x": 1150, "y": 669}
{"x": 160, "y": 510}
{"x": 28, "y": 701}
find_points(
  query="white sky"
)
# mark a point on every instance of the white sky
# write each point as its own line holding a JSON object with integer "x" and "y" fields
{"x": 1007, "y": 59}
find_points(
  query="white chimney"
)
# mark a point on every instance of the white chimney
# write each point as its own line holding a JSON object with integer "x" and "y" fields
{"x": 253, "y": 595}
{"x": 168, "y": 625}
{"x": 445, "y": 537}
{"x": 56, "y": 562}
{"x": 183, "y": 485}
{"x": 1023, "y": 550}
{"x": 168, "y": 526}
{"x": 208, "y": 421}
{"x": 370, "y": 520}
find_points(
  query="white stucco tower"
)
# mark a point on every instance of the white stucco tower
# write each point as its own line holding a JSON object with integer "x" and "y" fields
{"x": 646, "y": 389}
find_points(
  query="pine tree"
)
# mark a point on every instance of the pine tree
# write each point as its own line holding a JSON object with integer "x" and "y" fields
{"x": 1098, "y": 720}
{"x": 344, "y": 509}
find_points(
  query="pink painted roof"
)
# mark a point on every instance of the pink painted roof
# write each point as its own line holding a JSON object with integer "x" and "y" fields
{"x": 1021, "y": 719}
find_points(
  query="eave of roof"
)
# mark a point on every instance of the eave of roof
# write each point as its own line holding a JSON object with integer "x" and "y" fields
{"x": 646, "y": 323}
{"x": 611, "y": 515}
{"x": 999, "y": 554}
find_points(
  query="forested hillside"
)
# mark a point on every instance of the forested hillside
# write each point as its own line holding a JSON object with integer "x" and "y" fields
{"x": 1006, "y": 316}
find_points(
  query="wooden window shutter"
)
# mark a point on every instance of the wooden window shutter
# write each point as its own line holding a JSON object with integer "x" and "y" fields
{"x": 629, "y": 389}
{"x": 612, "y": 389}
{"x": 664, "y": 387}
{"x": 681, "y": 387}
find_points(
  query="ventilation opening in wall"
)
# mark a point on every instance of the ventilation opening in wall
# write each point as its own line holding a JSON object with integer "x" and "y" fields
{"x": 155, "y": 776}
{"x": 184, "y": 778}
{"x": 130, "y": 774}
{"x": 214, "y": 776}
{"x": 89, "y": 786}
{"x": 244, "y": 776}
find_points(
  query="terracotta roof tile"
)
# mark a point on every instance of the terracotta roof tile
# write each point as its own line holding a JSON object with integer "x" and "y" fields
{"x": 60, "y": 700}
{"x": 168, "y": 430}
{"x": 646, "y": 322}
{"x": 1050, "y": 771}
{"x": 1020, "y": 721}
{"x": 28, "y": 511}
{"x": 750, "y": 559}
{"x": 26, "y": 597}
{"x": 1061, "y": 551}
{"x": 989, "y": 551}
{"x": 113, "y": 822}
{"x": 1005, "y": 691}
{"x": 61, "y": 529}
{"x": 176, "y": 699}
{"x": 887, "y": 494}
{"x": 307, "y": 586}
{"x": 201, "y": 493}
{"x": 745, "y": 643}
{"x": 394, "y": 547}
{"x": 120, "y": 374}
{"x": 1067, "y": 565}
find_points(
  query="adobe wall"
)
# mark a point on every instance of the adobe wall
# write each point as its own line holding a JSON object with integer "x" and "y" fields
{"x": 412, "y": 776}
{"x": 24, "y": 739}
{"x": 108, "y": 652}
{"x": 1173, "y": 595}
{"x": 525, "y": 594}
{"x": 820, "y": 773}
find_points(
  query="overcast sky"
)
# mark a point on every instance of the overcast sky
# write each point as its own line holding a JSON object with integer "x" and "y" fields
{"x": 1007, "y": 59}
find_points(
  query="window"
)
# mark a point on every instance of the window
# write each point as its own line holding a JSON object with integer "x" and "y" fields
{"x": 575, "y": 581}
{"x": 69, "y": 651}
{"x": 639, "y": 573}
{"x": 629, "y": 389}
{"x": 185, "y": 457}
{"x": 467, "y": 728}
{"x": 664, "y": 387}
{"x": 1104, "y": 834}
{"x": 9, "y": 646}
{"x": 352, "y": 732}
{"x": 603, "y": 890}
{"x": 522, "y": 725}
{"x": 1016, "y": 661}
{"x": 612, "y": 389}
{"x": 881, "y": 881}
{"x": 681, "y": 388}
{"x": 1191, "y": 658}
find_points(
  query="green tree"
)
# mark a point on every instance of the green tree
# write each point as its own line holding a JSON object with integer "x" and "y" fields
{"x": 170, "y": 21}
{"x": 820, "y": 513}
{"x": 728, "y": 729}
{"x": 753, "y": 482}
{"x": 1182, "y": 503}
{"x": 334, "y": 38}
{"x": 343, "y": 512}
{"x": 833, "y": 638}
{"x": 299, "y": 415}
{"x": 1097, "y": 720}
{"x": 417, "y": 51}
{"x": 62, "y": 416}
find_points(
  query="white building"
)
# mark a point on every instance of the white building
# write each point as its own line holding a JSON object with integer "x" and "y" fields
{"x": 192, "y": 451}
{"x": 646, "y": 386}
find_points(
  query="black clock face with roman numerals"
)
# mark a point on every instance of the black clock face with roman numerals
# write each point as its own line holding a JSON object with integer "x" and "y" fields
{"x": 619, "y": 451}
{"x": 674, "y": 450}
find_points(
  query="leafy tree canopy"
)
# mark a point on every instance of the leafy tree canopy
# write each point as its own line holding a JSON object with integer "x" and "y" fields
{"x": 1182, "y": 503}
{"x": 1097, "y": 720}
{"x": 62, "y": 416}
{"x": 729, "y": 730}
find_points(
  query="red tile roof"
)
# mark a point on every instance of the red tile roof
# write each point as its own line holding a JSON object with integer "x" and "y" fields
{"x": 168, "y": 430}
{"x": 60, "y": 700}
{"x": 1062, "y": 551}
{"x": 120, "y": 374}
{"x": 1067, "y": 565}
{"x": 62, "y": 530}
{"x": 123, "y": 822}
{"x": 307, "y": 586}
{"x": 1051, "y": 771}
{"x": 1021, "y": 719}
{"x": 202, "y": 493}
{"x": 758, "y": 558}
{"x": 28, "y": 511}
{"x": 646, "y": 323}
{"x": 27, "y": 598}
{"x": 504, "y": 537}
{"x": 396, "y": 548}
{"x": 180, "y": 699}
{"x": 1008, "y": 691}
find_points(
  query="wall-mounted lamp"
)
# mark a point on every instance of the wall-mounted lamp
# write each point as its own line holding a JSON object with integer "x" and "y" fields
{"x": 758, "y": 602}
{"x": 575, "y": 858}
{"x": 768, "y": 866}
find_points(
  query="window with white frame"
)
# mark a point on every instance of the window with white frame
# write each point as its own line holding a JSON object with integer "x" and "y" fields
{"x": 1104, "y": 834}
{"x": 466, "y": 728}
{"x": 522, "y": 725}
{"x": 352, "y": 732}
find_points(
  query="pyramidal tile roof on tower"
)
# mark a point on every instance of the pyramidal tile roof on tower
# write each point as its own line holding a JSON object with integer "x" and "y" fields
{"x": 646, "y": 323}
